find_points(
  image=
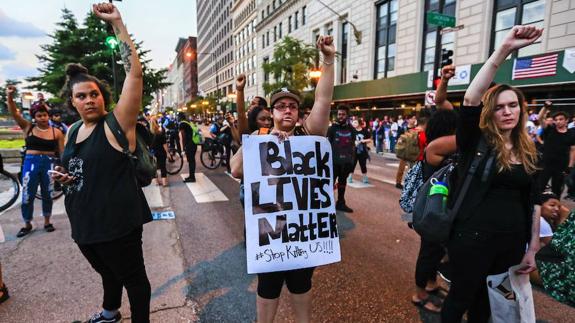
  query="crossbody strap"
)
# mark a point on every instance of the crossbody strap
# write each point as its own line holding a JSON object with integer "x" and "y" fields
{"x": 114, "y": 125}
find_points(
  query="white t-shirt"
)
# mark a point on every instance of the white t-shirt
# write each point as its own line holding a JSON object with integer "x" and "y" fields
{"x": 544, "y": 228}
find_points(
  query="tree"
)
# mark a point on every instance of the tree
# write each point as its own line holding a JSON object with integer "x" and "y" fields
{"x": 292, "y": 60}
{"x": 3, "y": 105}
{"x": 85, "y": 44}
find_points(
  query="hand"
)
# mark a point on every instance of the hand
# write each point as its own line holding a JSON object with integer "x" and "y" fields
{"x": 447, "y": 72}
{"x": 241, "y": 82}
{"x": 62, "y": 179}
{"x": 528, "y": 263}
{"x": 521, "y": 36}
{"x": 10, "y": 91}
{"x": 547, "y": 104}
{"x": 326, "y": 46}
{"x": 282, "y": 135}
{"x": 107, "y": 12}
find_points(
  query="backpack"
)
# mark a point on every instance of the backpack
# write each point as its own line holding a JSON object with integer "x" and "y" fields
{"x": 433, "y": 221}
{"x": 412, "y": 183}
{"x": 407, "y": 146}
{"x": 197, "y": 137}
{"x": 142, "y": 159}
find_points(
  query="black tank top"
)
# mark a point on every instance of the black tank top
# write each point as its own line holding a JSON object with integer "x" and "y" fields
{"x": 105, "y": 202}
{"x": 41, "y": 144}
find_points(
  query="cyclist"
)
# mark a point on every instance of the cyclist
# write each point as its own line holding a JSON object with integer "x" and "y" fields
{"x": 223, "y": 133}
{"x": 43, "y": 143}
{"x": 171, "y": 127}
{"x": 189, "y": 133}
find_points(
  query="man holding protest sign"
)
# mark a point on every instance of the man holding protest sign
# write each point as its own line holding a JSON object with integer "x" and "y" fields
{"x": 296, "y": 174}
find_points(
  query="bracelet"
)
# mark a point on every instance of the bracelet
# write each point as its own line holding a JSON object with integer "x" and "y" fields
{"x": 326, "y": 63}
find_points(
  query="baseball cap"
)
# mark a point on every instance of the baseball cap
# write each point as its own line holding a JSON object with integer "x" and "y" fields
{"x": 284, "y": 92}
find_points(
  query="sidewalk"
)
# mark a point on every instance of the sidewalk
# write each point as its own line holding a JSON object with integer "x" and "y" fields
{"x": 50, "y": 281}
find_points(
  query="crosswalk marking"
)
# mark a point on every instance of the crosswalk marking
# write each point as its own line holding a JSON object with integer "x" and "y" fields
{"x": 358, "y": 184}
{"x": 154, "y": 196}
{"x": 204, "y": 190}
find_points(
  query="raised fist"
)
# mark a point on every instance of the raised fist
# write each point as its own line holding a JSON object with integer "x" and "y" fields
{"x": 10, "y": 91}
{"x": 447, "y": 72}
{"x": 326, "y": 46}
{"x": 521, "y": 36}
{"x": 241, "y": 82}
{"x": 107, "y": 12}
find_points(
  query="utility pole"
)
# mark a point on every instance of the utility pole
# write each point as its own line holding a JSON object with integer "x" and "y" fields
{"x": 438, "y": 44}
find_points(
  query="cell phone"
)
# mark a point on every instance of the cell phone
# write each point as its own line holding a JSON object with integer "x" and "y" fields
{"x": 55, "y": 172}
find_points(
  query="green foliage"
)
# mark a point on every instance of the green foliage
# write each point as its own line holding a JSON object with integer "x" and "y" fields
{"x": 3, "y": 105}
{"x": 291, "y": 63}
{"x": 86, "y": 45}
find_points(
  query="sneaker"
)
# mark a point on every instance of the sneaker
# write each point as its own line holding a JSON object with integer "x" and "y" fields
{"x": 343, "y": 207}
{"x": 398, "y": 185}
{"x": 365, "y": 179}
{"x": 23, "y": 231}
{"x": 100, "y": 318}
{"x": 350, "y": 179}
{"x": 189, "y": 180}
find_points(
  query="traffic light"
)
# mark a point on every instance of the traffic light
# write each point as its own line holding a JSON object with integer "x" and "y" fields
{"x": 111, "y": 42}
{"x": 446, "y": 57}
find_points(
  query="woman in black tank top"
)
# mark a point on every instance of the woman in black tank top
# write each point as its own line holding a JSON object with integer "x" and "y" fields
{"x": 105, "y": 205}
{"x": 285, "y": 105}
{"x": 43, "y": 143}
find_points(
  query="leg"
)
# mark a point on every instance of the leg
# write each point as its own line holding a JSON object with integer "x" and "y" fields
{"x": 191, "y": 156}
{"x": 125, "y": 259}
{"x": 269, "y": 290}
{"x": 430, "y": 255}
{"x": 400, "y": 171}
{"x": 112, "y": 287}
{"x": 46, "y": 188}
{"x": 544, "y": 177}
{"x": 557, "y": 179}
{"x": 30, "y": 181}
{"x": 363, "y": 163}
{"x": 299, "y": 284}
{"x": 228, "y": 149}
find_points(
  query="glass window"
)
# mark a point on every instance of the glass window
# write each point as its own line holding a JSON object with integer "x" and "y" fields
{"x": 296, "y": 20}
{"x": 344, "y": 52}
{"x": 386, "y": 24}
{"x": 280, "y": 30}
{"x": 303, "y": 15}
{"x": 289, "y": 24}
{"x": 430, "y": 31}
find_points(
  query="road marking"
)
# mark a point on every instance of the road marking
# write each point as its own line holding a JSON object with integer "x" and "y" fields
{"x": 370, "y": 166}
{"x": 396, "y": 165}
{"x": 2, "y": 236}
{"x": 358, "y": 184}
{"x": 153, "y": 196}
{"x": 204, "y": 190}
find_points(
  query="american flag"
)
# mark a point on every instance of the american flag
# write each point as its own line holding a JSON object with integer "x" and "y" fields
{"x": 530, "y": 67}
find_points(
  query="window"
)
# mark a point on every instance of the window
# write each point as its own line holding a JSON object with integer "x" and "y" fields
{"x": 303, "y": 15}
{"x": 268, "y": 38}
{"x": 263, "y": 41}
{"x": 268, "y": 10}
{"x": 430, "y": 33}
{"x": 508, "y": 13}
{"x": 344, "y": 48}
{"x": 296, "y": 20}
{"x": 386, "y": 26}
{"x": 275, "y": 33}
{"x": 274, "y": 4}
{"x": 289, "y": 24}
{"x": 280, "y": 30}
{"x": 266, "y": 75}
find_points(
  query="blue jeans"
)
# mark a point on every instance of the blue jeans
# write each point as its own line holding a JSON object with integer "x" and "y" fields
{"x": 34, "y": 172}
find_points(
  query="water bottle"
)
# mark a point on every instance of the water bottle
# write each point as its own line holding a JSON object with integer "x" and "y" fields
{"x": 437, "y": 197}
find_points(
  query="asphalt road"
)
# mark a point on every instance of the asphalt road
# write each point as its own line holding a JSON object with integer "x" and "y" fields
{"x": 197, "y": 262}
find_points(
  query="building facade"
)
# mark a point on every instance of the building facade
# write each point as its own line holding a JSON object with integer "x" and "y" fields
{"x": 387, "y": 48}
{"x": 187, "y": 57}
{"x": 215, "y": 48}
{"x": 245, "y": 19}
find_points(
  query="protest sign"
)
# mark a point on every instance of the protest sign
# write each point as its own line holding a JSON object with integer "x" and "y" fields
{"x": 289, "y": 203}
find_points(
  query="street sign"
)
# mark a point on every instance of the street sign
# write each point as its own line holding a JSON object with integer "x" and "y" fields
{"x": 435, "y": 18}
{"x": 451, "y": 29}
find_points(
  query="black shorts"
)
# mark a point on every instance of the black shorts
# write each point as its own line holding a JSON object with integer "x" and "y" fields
{"x": 298, "y": 281}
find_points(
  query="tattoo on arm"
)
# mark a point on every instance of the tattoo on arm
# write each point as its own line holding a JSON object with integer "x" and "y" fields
{"x": 126, "y": 54}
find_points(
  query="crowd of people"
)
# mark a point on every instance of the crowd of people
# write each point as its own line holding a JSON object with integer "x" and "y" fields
{"x": 508, "y": 215}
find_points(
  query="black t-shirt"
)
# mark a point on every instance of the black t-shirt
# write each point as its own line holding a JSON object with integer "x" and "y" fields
{"x": 556, "y": 147}
{"x": 342, "y": 138}
{"x": 361, "y": 148}
{"x": 158, "y": 142}
{"x": 188, "y": 134}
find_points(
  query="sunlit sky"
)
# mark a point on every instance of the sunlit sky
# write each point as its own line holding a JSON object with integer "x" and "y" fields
{"x": 24, "y": 25}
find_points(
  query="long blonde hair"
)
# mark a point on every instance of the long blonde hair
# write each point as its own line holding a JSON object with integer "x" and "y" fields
{"x": 523, "y": 146}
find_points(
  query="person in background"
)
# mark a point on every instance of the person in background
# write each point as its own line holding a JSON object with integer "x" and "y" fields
{"x": 222, "y": 131}
{"x": 4, "y": 296}
{"x": 341, "y": 135}
{"x": 571, "y": 124}
{"x": 393, "y": 131}
{"x": 186, "y": 135}
{"x": 411, "y": 124}
{"x": 160, "y": 148}
{"x": 362, "y": 139}
{"x": 56, "y": 121}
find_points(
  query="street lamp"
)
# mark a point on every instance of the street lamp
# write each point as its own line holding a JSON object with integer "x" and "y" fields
{"x": 315, "y": 74}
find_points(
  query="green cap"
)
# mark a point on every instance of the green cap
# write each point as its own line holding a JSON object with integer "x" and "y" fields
{"x": 438, "y": 189}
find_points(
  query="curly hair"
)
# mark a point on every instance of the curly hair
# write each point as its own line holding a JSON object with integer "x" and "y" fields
{"x": 77, "y": 73}
{"x": 442, "y": 123}
{"x": 253, "y": 117}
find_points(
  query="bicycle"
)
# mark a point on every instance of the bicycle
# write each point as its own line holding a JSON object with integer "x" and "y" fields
{"x": 175, "y": 160}
{"x": 9, "y": 187}
{"x": 212, "y": 153}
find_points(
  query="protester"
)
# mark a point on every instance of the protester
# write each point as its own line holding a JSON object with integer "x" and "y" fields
{"x": 556, "y": 260}
{"x": 342, "y": 137}
{"x": 440, "y": 132}
{"x": 221, "y": 131}
{"x": 43, "y": 144}
{"x": 160, "y": 148}
{"x": 4, "y": 296}
{"x": 558, "y": 151}
{"x": 285, "y": 106}
{"x": 106, "y": 207}
{"x": 362, "y": 139}
{"x": 186, "y": 134}
{"x": 498, "y": 216}
{"x": 56, "y": 121}
{"x": 447, "y": 72}
{"x": 417, "y": 124}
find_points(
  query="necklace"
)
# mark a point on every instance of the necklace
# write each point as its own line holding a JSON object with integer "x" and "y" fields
{"x": 43, "y": 130}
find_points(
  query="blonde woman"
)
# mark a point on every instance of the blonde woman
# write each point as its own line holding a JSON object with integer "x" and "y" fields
{"x": 499, "y": 216}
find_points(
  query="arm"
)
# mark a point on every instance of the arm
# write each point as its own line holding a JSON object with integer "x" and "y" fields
{"x": 447, "y": 72}
{"x": 439, "y": 149}
{"x": 130, "y": 102}
{"x": 241, "y": 104}
{"x": 237, "y": 164}
{"x": 13, "y": 109}
{"x": 528, "y": 262}
{"x": 60, "y": 137}
{"x": 318, "y": 120}
{"x": 518, "y": 37}
{"x": 572, "y": 157}
{"x": 543, "y": 113}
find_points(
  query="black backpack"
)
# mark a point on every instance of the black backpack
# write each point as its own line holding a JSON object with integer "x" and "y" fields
{"x": 433, "y": 221}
